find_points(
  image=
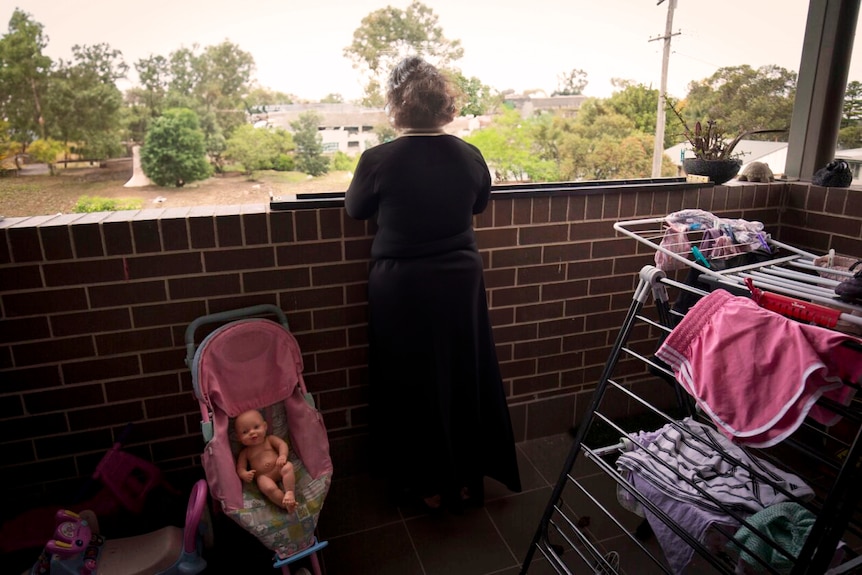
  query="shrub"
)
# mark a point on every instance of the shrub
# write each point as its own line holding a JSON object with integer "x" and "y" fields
{"x": 174, "y": 151}
{"x": 87, "y": 204}
{"x": 343, "y": 163}
{"x": 283, "y": 163}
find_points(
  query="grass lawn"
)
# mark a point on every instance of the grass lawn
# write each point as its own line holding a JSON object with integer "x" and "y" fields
{"x": 43, "y": 194}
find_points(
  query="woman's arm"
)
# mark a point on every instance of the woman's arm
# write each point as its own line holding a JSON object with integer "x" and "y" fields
{"x": 360, "y": 201}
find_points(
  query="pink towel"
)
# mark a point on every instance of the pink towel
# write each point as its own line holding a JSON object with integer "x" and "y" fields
{"x": 755, "y": 373}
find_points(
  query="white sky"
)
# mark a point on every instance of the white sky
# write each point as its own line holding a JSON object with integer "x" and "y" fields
{"x": 508, "y": 44}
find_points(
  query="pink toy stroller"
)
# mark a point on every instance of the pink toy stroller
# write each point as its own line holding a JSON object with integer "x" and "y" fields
{"x": 247, "y": 363}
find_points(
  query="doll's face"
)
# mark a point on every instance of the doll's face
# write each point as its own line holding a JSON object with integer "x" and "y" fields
{"x": 250, "y": 428}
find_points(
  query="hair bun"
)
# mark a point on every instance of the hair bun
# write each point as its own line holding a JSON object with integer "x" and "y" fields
{"x": 403, "y": 70}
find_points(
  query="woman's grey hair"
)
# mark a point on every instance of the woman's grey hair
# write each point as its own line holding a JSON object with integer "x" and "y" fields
{"x": 419, "y": 96}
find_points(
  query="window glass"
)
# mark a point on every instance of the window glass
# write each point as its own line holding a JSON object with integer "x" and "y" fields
{"x": 576, "y": 85}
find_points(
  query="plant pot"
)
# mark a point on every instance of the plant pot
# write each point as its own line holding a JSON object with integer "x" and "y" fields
{"x": 718, "y": 171}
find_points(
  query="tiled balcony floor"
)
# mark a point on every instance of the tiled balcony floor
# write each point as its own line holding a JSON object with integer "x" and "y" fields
{"x": 368, "y": 534}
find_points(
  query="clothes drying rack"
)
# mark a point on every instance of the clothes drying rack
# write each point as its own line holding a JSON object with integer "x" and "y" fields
{"x": 829, "y": 462}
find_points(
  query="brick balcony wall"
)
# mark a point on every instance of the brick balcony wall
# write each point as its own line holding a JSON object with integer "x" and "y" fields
{"x": 95, "y": 306}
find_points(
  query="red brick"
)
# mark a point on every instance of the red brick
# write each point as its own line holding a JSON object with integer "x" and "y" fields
{"x": 29, "y": 378}
{"x": 64, "y": 399}
{"x": 311, "y": 253}
{"x": 306, "y": 225}
{"x": 130, "y": 341}
{"x": 55, "y": 350}
{"x": 204, "y": 286}
{"x": 516, "y": 257}
{"x": 515, "y": 296}
{"x": 89, "y": 322}
{"x": 100, "y": 369}
{"x": 276, "y": 279}
{"x": 106, "y": 414}
{"x": 127, "y": 293}
{"x": 57, "y": 242}
{"x": 175, "y": 234}
{"x": 281, "y": 224}
{"x": 254, "y": 227}
{"x": 168, "y": 313}
{"x": 26, "y": 329}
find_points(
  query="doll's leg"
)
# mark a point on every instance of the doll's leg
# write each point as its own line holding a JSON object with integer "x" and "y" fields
{"x": 288, "y": 480}
{"x": 271, "y": 490}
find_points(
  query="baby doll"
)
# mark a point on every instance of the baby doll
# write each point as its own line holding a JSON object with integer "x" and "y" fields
{"x": 266, "y": 455}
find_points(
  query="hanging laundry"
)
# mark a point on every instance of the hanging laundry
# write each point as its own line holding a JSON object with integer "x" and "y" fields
{"x": 677, "y": 465}
{"x": 755, "y": 373}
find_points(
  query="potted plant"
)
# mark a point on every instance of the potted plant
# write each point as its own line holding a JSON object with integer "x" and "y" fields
{"x": 713, "y": 152}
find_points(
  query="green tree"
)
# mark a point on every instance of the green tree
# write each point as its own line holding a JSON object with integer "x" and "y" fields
{"x": 385, "y": 133}
{"x": 83, "y": 103}
{"x": 174, "y": 151}
{"x": 476, "y": 98}
{"x": 258, "y": 148}
{"x": 602, "y": 144}
{"x": 24, "y": 76}
{"x": 743, "y": 98}
{"x": 332, "y": 99}
{"x": 389, "y": 34}
{"x": 512, "y": 150}
{"x": 215, "y": 82}
{"x": 571, "y": 83}
{"x": 639, "y": 104}
{"x": 147, "y": 100}
{"x": 309, "y": 144}
{"x": 850, "y": 133}
{"x": 46, "y": 151}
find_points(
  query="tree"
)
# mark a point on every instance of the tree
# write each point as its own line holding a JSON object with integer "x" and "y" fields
{"x": 571, "y": 83}
{"x": 512, "y": 151}
{"x": 258, "y": 148}
{"x": 743, "y": 98}
{"x": 174, "y": 150}
{"x": 387, "y": 35}
{"x": 24, "y": 76}
{"x": 83, "y": 102}
{"x": 385, "y": 133}
{"x": 477, "y": 98}
{"x": 46, "y": 151}
{"x": 638, "y": 103}
{"x": 850, "y": 134}
{"x": 333, "y": 98}
{"x": 309, "y": 145}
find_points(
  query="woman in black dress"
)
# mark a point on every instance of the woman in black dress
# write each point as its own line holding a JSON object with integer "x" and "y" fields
{"x": 439, "y": 418}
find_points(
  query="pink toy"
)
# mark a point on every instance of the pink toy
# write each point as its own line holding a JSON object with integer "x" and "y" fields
{"x": 78, "y": 549}
{"x": 125, "y": 482}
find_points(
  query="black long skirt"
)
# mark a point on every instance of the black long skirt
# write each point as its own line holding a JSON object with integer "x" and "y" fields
{"x": 439, "y": 418}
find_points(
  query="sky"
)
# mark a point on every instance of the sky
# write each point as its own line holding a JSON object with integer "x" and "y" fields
{"x": 508, "y": 44}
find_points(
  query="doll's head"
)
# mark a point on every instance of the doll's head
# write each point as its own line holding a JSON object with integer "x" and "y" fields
{"x": 250, "y": 427}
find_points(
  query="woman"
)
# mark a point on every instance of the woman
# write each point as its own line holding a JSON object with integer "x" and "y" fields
{"x": 439, "y": 417}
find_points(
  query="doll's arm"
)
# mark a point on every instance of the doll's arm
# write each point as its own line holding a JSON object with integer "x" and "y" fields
{"x": 242, "y": 469}
{"x": 280, "y": 446}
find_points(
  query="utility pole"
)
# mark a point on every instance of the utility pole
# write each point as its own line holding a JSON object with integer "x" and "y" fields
{"x": 658, "y": 149}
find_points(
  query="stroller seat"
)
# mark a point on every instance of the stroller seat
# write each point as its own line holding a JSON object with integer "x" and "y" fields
{"x": 255, "y": 363}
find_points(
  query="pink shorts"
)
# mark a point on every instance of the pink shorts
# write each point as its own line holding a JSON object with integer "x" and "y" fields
{"x": 756, "y": 373}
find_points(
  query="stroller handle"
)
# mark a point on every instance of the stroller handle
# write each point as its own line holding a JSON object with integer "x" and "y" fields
{"x": 226, "y": 316}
